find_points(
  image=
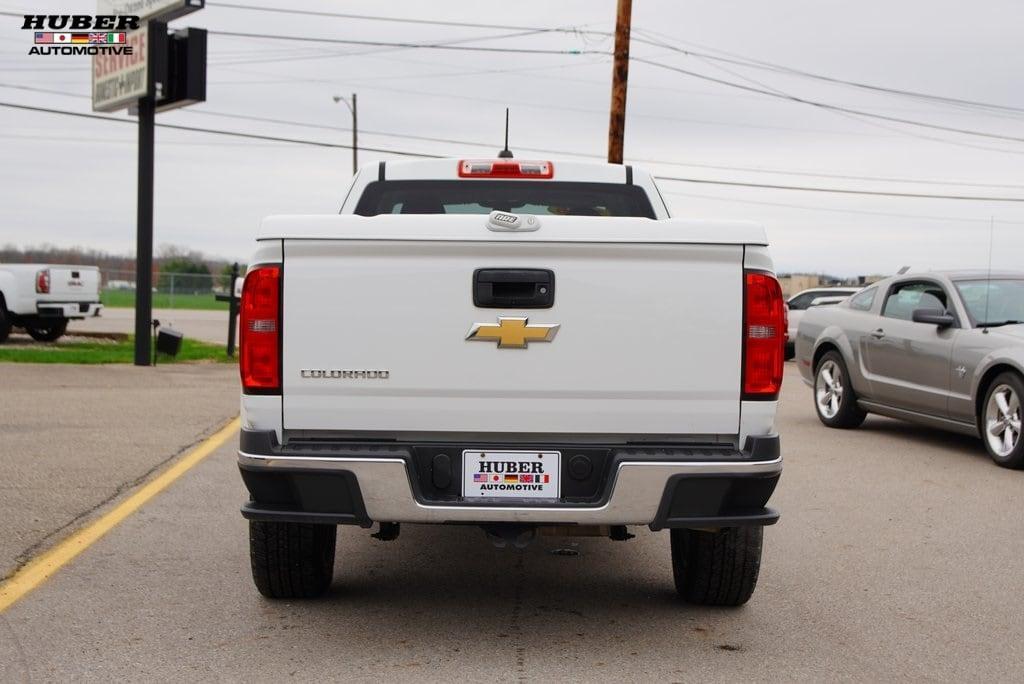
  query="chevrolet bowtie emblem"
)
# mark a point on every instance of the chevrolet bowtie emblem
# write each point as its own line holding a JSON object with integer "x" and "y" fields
{"x": 512, "y": 332}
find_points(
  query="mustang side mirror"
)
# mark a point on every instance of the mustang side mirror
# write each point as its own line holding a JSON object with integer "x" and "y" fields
{"x": 937, "y": 317}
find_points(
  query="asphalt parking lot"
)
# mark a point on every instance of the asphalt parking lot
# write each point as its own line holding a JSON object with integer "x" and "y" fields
{"x": 898, "y": 556}
{"x": 76, "y": 437}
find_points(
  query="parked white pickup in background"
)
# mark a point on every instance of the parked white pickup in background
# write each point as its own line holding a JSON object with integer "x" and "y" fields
{"x": 42, "y": 298}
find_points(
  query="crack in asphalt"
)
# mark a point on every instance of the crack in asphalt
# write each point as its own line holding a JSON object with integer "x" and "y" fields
{"x": 514, "y": 626}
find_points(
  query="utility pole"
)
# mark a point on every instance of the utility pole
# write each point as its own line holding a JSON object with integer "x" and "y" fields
{"x": 620, "y": 74}
{"x": 355, "y": 129}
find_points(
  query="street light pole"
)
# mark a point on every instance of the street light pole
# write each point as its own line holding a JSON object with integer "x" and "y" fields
{"x": 355, "y": 129}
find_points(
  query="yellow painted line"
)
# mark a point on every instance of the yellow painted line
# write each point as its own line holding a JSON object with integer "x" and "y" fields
{"x": 40, "y": 568}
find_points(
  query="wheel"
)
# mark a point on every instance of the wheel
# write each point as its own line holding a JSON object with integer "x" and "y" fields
{"x": 834, "y": 399}
{"x": 716, "y": 568}
{"x": 1001, "y": 420}
{"x": 790, "y": 352}
{"x": 50, "y": 331}
{"x": 291, "y": 560}
{"x": 5, "y": 321}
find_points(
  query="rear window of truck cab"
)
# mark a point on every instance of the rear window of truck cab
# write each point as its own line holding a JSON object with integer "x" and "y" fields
{"x": 544, "y": 198}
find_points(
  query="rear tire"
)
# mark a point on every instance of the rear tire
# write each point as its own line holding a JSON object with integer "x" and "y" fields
{"x": 1000, "y": 420}
{"x": 5, "y": 322}
{"x": 835, "y": 402}
{"x": 716, "y": 568}
{"x": 291, "y": 560}
{"x": 48, "y": 332}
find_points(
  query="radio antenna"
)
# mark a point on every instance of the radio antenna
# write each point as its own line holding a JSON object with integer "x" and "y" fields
{"x": 988, "y": 276}
{"x": 505, "y": 153}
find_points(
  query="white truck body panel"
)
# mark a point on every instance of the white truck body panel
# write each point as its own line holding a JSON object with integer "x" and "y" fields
{"x": 665, "y": 363}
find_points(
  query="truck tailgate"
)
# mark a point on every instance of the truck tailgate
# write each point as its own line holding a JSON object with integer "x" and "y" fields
{"x": 72, "y": 284}
{"x": 375, "y": 337}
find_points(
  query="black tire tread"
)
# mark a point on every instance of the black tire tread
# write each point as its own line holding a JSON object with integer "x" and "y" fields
{"x": 5, "y": 321}
{"x": 716, "y": 568}
{"x": 291, "y": 560}
{"x": 51, "y": 333}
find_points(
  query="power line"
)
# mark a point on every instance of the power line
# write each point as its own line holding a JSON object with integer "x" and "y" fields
{"x": 650, "y": 62}
{"x": 282, "y": 78}
{"x": 546, "y": 150}
{"x": 868, "y": 122}
{"x": 825, "y": 105}
{"x": 577, "y": 153}
{"x": 398, "y": 20}
{"x": 731, "y": 58}
{"x": 843, "y": 191}
{"x": 863, "y": 212}
{"x": 214, "y": 131}
{"x": 439, "y": 45}
{"x": 740, "y": 60}
{"x": 425, "y": 46}
{"x": 420, "y": 154}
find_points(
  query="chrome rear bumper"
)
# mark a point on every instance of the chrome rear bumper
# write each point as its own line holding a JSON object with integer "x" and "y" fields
{"x": 640, "y": 493}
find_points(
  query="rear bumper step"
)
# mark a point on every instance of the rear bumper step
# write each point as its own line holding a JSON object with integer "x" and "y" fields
{"x": 68, "y": 309}
{"x": 360, "y": 484}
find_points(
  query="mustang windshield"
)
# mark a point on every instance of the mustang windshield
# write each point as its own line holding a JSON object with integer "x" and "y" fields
{"x": 993, "y": 302}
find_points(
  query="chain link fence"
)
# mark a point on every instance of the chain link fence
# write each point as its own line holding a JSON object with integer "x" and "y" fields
{"x": 170, "y": 290}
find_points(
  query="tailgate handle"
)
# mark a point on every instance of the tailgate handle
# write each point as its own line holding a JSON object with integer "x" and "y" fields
{"x": 514, "y": 288}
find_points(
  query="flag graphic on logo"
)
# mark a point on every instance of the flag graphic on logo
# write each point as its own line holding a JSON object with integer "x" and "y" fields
{"x": 511, "y": 479}
{"x": 526, "y": 478}
{"x": 480, "y": 477}
{"x": 547, "y": 478}
{"x": 496, "y": 478}
{"x": 48, "y": 38}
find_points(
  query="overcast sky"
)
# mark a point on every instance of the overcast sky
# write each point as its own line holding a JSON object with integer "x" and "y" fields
{"x": 70, "y": 181}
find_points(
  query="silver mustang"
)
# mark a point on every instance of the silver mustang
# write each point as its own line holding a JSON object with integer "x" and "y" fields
{"x": 943, "y": 349}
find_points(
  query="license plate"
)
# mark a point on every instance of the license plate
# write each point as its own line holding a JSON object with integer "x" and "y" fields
{"x": 511, "y": 474}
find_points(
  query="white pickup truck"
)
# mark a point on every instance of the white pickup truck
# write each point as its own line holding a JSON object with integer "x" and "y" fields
{"x": 513, "y": 345}
{"x": 42, "y": 298}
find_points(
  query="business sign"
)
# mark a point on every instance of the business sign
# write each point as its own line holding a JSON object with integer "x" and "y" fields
{"x": 163, "y": 10}
{"x": 120, "y": 80}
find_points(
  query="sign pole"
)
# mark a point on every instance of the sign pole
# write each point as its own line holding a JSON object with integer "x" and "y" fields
{"x": 144, "y": 234}
{"x": 232, "y": 310}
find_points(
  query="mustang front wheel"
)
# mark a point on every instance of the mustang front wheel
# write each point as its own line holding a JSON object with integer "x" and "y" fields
{"x": 1001, "y": 421}
{"x": 834, "y": 398}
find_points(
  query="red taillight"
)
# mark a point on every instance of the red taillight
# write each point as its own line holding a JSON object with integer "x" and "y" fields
{"x": 764, "y": 336}
{"x": 260, "y": 349}
{"x": 43, "y": 281}
{"x": 505, "y": 168}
